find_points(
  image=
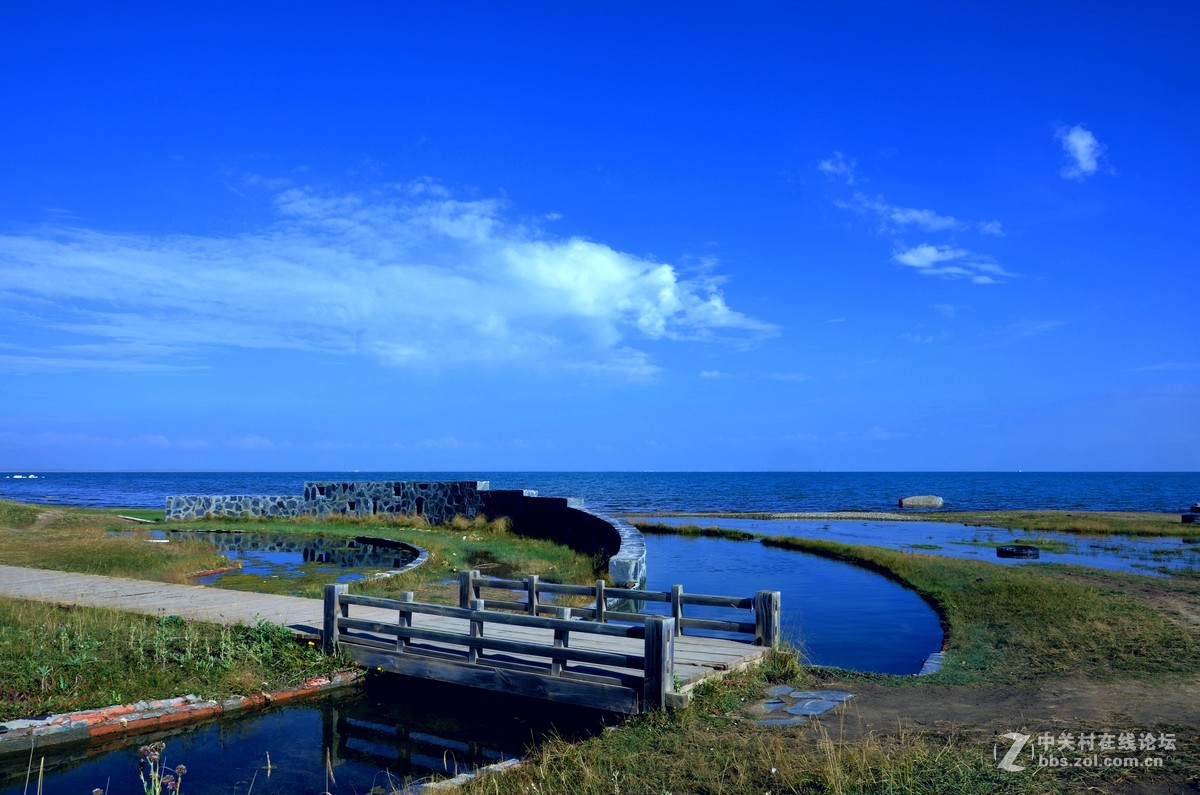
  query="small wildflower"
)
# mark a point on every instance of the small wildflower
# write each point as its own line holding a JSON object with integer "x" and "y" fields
{"x": 180, "y": 770}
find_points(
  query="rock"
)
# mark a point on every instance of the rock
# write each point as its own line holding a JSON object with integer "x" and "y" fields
{"x": 922, "y": 501}
{"x": 1196, "y": 507}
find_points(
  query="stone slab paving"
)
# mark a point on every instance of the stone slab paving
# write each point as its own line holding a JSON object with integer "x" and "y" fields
{"x": 800, "y": 705}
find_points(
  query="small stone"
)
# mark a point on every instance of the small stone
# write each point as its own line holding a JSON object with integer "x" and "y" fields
{"x": 772, "y": 704}
{"x": 779, "y": 690}
{"x": 812, "y": 706}
{"x": 824, "y": 695}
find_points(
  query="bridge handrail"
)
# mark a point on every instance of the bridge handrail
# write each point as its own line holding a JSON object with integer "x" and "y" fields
{"x": 656, "y": 665}
{"x": 765, "y": 605}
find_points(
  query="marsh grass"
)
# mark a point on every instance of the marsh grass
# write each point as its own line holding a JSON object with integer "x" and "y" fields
{"x": 98, "y": 543}
{"x": 713, "y": 746}
{"x": 1044, "y": 544}
{"x": 61, "y": 659}
{"x": 1008, "y": 624}
{"x": 1093, "y": 523}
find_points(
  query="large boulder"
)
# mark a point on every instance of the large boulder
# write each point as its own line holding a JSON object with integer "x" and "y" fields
{"x": 922, "y": 501}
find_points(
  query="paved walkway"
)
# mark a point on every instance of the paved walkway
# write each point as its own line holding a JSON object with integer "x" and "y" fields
{"x": 696, "y": 658}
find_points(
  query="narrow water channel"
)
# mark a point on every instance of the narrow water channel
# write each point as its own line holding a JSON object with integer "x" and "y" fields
{"x": 399, "y": 731}
{"x": 835, "y": 613}
{"x": 395, "y": 732}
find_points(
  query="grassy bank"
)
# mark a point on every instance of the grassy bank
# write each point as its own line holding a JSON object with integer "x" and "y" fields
{"x": 1095, "y": 523}
{"x": 100, "y": 542}
{"x": 1008, "y": 629}
{"x": 62, "y": 659}
{"x": 478, "y": 543}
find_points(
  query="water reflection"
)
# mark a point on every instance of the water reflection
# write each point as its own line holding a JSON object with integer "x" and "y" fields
{"x": 396, "y": 732}
{"x": 287, "y": 557}
{"x": 836, "y": 613}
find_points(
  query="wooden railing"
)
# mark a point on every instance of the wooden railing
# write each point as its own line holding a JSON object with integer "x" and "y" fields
{"x": 477, "y": 654}
{"x": 765, "y": 605}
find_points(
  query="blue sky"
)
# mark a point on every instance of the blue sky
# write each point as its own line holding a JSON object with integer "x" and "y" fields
{"x": 478, "y": 236}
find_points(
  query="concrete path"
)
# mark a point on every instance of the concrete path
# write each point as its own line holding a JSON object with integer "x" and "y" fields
{"x": 696, "y": 658}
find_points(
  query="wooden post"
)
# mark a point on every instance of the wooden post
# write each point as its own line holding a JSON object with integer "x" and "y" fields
{"x": 677, "y": 607}
{"x": 660, "y": 662}
{"x": 467, "y": 589}
{"x": 766, "y": 619}
{"x": 473, "y": 654}
{"x": 406, "y": 620}
{"x": 561, "y": 641}
{"x": 601, "y": 602}
{"x": 329, "y": 632}
{"x": 531, "y": 587}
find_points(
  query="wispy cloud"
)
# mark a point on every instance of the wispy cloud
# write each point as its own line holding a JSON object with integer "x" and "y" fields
{"x": 1026, "y": 329}
{"x": 409, "y": 277}
{"x": 951, "y": 262}
{"x": 840, "y": 168}
{"x": 1084, "y": 152}
{"x": 789, "y": 377}
{"x": 1168, "y": 366}
{"x": 894, "y": 217}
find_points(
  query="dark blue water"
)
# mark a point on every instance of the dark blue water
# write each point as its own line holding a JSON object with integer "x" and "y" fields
{"x": 835, "y": 613}
{"x": 392, "y": 733}
{"x": 622, "y": 492}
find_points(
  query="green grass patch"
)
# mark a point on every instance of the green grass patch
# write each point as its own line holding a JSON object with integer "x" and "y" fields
{"x": 15, "y": 514}
{"x": 693, "y": 531}
{"x": 61, "y": 659}
{"x": 1009, "y": 624}
{"x": 1095, "y": 523}
{"x": 923, "y": 546}
{"x": 713, "y": 746}
{"x": 1044, "y": 544}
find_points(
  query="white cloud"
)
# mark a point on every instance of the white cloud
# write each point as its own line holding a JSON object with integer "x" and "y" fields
{"x": 951, "y": 262}
{"x": 992, "y": 227}
{"x": 840, "y": 168}
{"x": 410, "y": 277}
{"x": 1083, "y": 151}
{"x": 900, "y": 217}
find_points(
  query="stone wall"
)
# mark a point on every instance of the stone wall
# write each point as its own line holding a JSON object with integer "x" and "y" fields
{"x": 557, "y": 519}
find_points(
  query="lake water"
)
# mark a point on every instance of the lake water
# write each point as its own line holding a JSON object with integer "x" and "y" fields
{"x": 1154, "y": 556}
{"x": 628, "y": 492}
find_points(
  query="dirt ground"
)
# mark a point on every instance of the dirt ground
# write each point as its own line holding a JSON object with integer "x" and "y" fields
{"x": 1071, "y": 705}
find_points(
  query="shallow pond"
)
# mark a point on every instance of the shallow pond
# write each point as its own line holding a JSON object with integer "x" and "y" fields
{"x": 300, "y": 559}
{"x": 398, "y": 729}
{"x": 1140, "y": 555}
{"x": 836, "y": 613}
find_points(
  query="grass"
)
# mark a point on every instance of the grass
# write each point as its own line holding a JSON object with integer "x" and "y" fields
{"x": 693, "y": 531}
{"x": 1044, "y": 544}
{"x": 61, "y": 659}
{"x": 489, "y": 546}
{"x": 95, "y": 543}
{"x": 1007, "y": 624}
{"x": 713, "y": 746}
{"x": 1094, "y": 523}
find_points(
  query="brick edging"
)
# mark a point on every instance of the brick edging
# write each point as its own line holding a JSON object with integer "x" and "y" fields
{"x": 107, "y": 722}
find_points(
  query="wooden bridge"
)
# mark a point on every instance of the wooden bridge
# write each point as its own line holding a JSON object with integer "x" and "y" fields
{"x": 592, "y": 655}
